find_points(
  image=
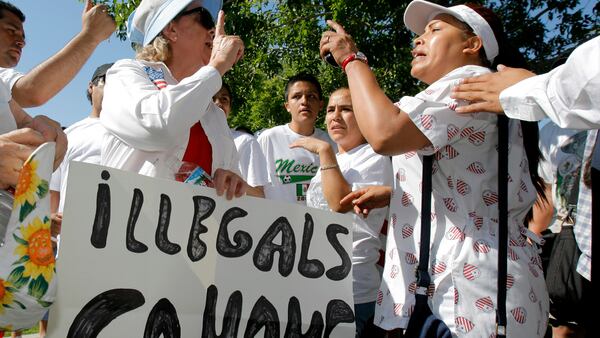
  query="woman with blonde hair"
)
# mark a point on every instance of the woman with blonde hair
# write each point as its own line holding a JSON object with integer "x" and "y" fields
{"x": 158, "y": 108}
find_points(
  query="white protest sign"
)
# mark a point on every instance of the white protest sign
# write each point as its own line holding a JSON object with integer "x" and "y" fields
{"x": 144, "y": 257}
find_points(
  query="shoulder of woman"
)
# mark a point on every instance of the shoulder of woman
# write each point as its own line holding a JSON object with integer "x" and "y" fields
{"x": 472, "y": 70}
{"x": 134, "y": 63}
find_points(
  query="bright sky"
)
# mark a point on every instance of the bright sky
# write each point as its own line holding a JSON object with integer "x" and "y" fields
{"x": 49, "y": 25}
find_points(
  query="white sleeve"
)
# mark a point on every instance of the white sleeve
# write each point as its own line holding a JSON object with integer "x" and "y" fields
{"x": 148, "y": 119}
{"x": 9, "y": 76}
{"x": 433, "y": 112}
{"x": 440, "y": 124}
{"x": 56, "y": 179}
{"x": 266, "y": 147}
{"x": 253, "y": 163}
{"x": 371, "y": 169}
{"x": 548, "y": 141}
{"x": 568, "y": 94}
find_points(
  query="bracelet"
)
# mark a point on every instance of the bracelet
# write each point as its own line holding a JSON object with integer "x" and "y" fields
{"x": 329, "y": 166}
{"x": 358, "y": 56}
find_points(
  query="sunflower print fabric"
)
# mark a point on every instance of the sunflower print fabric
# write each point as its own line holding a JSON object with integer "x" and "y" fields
{"x": 27, "y": 266}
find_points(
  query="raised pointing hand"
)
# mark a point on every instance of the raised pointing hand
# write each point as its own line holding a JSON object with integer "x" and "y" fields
{"x": 227, "y": 49}
{"x": 337, "y": 42}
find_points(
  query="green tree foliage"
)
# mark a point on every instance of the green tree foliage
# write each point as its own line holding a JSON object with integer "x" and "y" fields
{"x": 282, "y": 39}
{"x": 120, "y": 10}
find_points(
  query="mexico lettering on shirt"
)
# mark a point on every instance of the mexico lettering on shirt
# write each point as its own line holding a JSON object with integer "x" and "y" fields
{"x": 289, "y": 171}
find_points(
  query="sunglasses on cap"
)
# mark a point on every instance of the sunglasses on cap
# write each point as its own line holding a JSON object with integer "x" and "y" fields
{"x": 204, "y": 18}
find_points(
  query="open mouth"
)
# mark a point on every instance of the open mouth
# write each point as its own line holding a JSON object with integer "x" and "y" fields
{"x": 417, "y": 54}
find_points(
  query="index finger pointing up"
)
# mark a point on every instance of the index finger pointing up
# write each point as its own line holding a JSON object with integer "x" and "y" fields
{"x": 336, "y": 27}
{"x": 220, "y": 28}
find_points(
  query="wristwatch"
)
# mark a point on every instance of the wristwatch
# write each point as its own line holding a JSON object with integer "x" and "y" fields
{"x": 358, "y": 56}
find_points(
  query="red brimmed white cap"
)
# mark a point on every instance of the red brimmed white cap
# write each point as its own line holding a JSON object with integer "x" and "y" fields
{"x": 419, "y": 12}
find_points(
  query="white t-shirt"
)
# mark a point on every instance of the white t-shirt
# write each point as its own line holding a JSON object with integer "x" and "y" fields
{"x": 464, "y": 222}
{"x": 361, "y": 167}
{"x": 8, "y": 78}
{"x": 85, "y": 142}
{"x": 148, "y": 114}
{"x": 290, "y": 170}
{"x": 562, "y": 150}
{"x": 253, "y": 165}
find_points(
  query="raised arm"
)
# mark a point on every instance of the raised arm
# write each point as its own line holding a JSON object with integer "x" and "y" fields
{"x": 56, "y": 72}
{"x": 567, "y": 94}
{"x": 380, "y": 121}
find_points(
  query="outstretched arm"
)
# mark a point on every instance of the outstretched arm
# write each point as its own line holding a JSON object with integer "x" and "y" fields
{"x": 56, "y": 72}
{"x": 483, "y": 92}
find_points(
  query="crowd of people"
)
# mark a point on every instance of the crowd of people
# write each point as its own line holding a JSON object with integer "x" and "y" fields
{"x": 455, "y": 171}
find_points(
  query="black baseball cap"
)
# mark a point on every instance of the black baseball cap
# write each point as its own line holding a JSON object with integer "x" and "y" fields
{"x": 101, "y": 71}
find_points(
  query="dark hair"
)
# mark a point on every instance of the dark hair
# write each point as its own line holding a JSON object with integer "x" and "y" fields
{"x": 339, "y": 89}
{"x": 510, "y": 56}
{"x": 94, "y": 82}
{"x": 225, "y": 86}
{"x": 7, "y": 6}
{"x": 88, "y": 95}
{"x": 303, "y": 77}
{"x": 99, "y": 74}
{"x": 507, "y": 54}
{"x": 244, "y": 129}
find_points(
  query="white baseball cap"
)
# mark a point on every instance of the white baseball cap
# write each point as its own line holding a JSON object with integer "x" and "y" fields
{"x": 419, "y": 12}
{"x": 151, "y": 16}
